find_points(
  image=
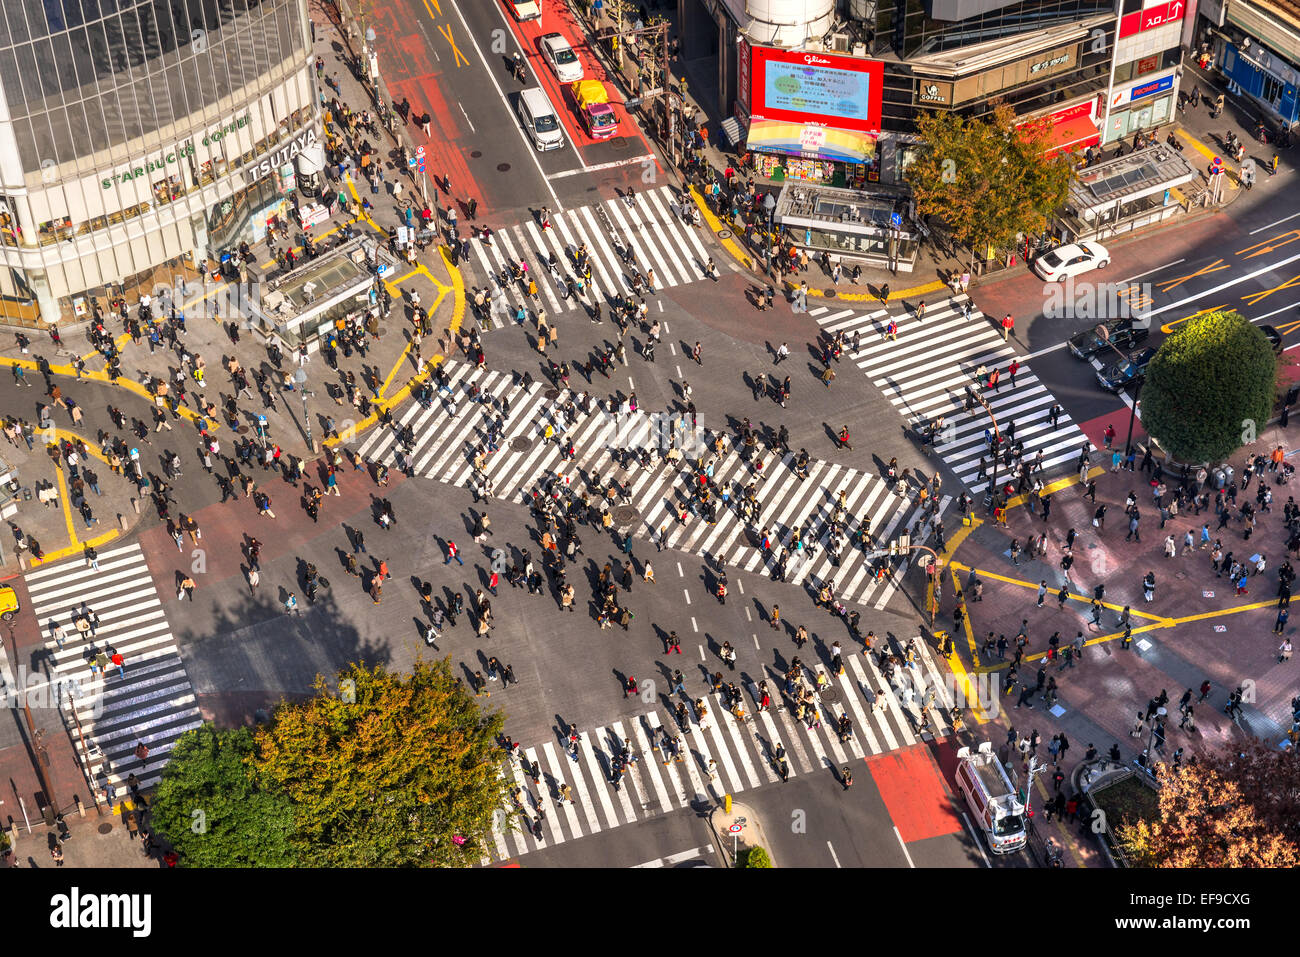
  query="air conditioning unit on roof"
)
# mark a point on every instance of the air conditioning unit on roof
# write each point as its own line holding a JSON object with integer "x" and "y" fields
{"x": 840, "y": 42}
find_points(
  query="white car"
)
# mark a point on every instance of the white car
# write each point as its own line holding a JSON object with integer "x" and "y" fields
{"x": 1059, "y": 264}
{"x": 563, "y": 61}
{"x": 525, "y": 10}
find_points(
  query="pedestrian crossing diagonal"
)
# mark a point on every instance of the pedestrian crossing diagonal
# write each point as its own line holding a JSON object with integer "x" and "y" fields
{"x": 151, "y": 700}
{"x": 720, "y": 755}
{"x": 649, "y": 235}
{"x": 448, "y": 431}
{"x": 924, "y": 374}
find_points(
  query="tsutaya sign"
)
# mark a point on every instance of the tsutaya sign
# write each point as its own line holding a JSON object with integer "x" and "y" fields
{"x": 162, "y": 160}
{"x": 279, "y": 157}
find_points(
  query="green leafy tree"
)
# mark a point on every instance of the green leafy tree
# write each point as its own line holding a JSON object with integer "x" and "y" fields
{"x": 212, "y": 807}
{"x": 1210, "y": 388}
{"x": 1236, "y": 807}
{"x": 389, "y": 771}
{"x": 986, "y": 178}
{"x": 756, "y": 857}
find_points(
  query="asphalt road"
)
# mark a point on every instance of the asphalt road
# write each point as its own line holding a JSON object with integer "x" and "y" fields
{"x": 452, "y": 60}
{"x": 1246, "y": 258}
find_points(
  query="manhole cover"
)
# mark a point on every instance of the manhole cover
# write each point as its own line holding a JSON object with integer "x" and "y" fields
{"x": 521, "y": 443}
{"x": 552, "y": 394}
{"x": 618, "y": 144}
{"x": 502, "y": 167}
{"x": 243, "y": 430}
{"x": 383, "y": 330}
{"x": 625, "y": 515}
{"x": 104, "y": 828}
{"x": 724, "y": 233}
{"x": 475, "y": 154}
{"x": 829, "y": 294}
{"x": 830, "y": 693}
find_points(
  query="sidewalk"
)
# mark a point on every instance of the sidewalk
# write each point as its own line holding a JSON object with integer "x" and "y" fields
{"x": 213, "y": 332}
{"x": 94, "y": 842}
{"x": 1197, "y": 628}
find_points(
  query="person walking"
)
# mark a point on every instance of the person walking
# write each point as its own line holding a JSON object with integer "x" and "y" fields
{"x": 846, "y": 777}
{"x": 453, "y": 552}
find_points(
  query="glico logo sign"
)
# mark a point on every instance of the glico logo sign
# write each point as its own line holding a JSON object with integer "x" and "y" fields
{"x": 814, "y": 60}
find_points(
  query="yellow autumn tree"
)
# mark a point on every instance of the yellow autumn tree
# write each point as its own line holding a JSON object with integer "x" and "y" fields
{"x": 387, "y": 770}
{"x": 1236, "y": 807}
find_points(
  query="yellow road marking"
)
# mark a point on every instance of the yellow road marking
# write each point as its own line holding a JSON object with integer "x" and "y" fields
{"x": 71, "y": 436}
{"x": 406, "y": 352}
{"x": 1254, "y": 298}
{"x": 457, "y": 316}
{"x": 962, "y": 534}
{"x": 455, "y": 50}
{"x": 1168, "y": 326}
{"x": 130, "y": 385}
{"x": 78, "y": 549}
{"x": 715, "y": 224}
{"x": 970, "y": 633}
{"x": 1208, "y": 153}
{"x": 1034, "y": 585}
{"x": 1270, "y": 245}
{"x": 1165, "y": 285}
{"x": 1053, "y": 487}
{"x": 67, "y": 509}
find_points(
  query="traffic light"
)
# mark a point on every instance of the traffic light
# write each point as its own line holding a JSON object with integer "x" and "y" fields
{"x": 893, "y": 547}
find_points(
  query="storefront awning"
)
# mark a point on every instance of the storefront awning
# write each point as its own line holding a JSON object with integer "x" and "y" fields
{"x": 1076, "y": 134}
{"x": 809, "y": 140}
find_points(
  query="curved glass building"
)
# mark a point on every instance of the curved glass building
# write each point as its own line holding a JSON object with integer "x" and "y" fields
{"x": 138, "y": 136}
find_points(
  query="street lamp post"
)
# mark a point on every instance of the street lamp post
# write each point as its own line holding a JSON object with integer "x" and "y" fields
{"x": 1151, "y": 736}
{"x": 1132, "y": 414}
{"x": 300, "y": 377}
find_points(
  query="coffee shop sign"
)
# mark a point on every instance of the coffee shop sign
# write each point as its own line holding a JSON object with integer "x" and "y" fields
{"x": 163, "y": 160}
{"x": 1048, "y": 64}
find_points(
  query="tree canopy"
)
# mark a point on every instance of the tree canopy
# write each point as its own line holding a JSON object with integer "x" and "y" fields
{"x": 213, "y": 808}
{"x": 987, "y": 178}
{"x": 388, "y": 770}
{"x": 1210, "y": 387}
{"x": 1236, "y": 807}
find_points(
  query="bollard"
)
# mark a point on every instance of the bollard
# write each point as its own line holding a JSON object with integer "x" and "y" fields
{"x": 726, "y": 804}
{"x": 121, "y": 521}
{"x": 22, "y": 561}
{"x": 135, "y": 503}
{"x": 81, "y": 808}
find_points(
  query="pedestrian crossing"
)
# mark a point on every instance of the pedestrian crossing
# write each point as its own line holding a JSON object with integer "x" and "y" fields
{"x": 651, "y": 231}
{"x": 444, "y": 451}
{"x": 152, "y": 701}
{"x": 885, "y": 716}
{"x": 925, "y": 372}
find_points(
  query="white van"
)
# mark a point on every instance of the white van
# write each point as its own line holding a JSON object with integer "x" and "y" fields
{"x": 992, "y": 798}
{"x": 540, "y": 120}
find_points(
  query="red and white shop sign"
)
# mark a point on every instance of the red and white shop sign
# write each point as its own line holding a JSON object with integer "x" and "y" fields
{"x": 1158, "y": 16}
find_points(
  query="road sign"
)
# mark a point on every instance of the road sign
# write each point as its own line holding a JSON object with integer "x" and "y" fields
{"x": 632, "y": 103}
{"x": 419, "y": 151}
{"x": 736, "y": 828}
{"x": 896, "y": 220}
{"x": 410, "y": 161}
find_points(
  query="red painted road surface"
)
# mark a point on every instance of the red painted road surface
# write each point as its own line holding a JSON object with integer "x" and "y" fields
{"x": 913, "y": 789}
{"x": 557, "y": 18}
